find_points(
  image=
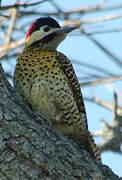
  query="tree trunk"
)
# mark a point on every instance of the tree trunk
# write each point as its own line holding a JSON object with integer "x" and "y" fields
{"x": 32, "y": 149}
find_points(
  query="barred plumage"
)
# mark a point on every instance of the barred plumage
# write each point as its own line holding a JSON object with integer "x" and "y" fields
{"x": 47, "y": 80}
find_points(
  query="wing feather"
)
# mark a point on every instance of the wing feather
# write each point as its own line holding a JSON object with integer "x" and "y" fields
{"x": 72, "y": 80}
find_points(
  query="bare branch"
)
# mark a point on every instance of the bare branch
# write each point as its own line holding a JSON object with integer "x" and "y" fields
{"x": 92, "y": 20}
{"x": 16, "y": 5}
{"x": 112, "y": 136}
{"x": 117, "y": 118}
{"x": 104, "y": 104}
{"x": 87, "y": 9}
{"x": 90, "y": 66}
{"x": 103, "y": 31}
{"x": 102, "y": 81}
{"x": 57, "y": 7}
{"x": 111, "y": 133}
{"x": 105, "y": 50}
{"x": 90, "y": 9}
{"x": 5, "y": 16}
{"x": 11, "y": 26}
{"x": 4, "y": 50}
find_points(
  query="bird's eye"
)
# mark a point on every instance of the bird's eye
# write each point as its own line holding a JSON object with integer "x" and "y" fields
{"x": 46, "y": 29}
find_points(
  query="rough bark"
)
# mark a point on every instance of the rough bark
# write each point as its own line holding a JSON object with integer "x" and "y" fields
{"x": 32, "y": 149}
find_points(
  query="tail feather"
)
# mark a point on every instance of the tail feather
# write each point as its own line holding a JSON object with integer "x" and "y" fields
{"x": 92, "y": 147}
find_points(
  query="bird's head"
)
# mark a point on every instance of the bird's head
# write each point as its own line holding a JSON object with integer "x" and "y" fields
{"x": 47, "y": 33}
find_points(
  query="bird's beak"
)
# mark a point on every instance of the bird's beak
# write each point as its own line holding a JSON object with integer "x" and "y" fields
{"x": 66, "y": 30}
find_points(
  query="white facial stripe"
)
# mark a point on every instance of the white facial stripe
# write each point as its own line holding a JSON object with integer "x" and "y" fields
{"x": 40, "y": 34}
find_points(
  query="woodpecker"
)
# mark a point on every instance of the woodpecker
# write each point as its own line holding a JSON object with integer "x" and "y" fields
{"x": 46, "y": 78}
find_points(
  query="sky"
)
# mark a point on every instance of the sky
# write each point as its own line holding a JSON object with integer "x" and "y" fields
{"x": 81, "y": 48}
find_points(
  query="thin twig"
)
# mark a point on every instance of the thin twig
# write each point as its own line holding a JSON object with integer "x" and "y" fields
{"x": 5, "y": 16}
{"x": 87, "y": 9}
{"x": 11, "y": 26}
{"x": 21, "y": 5}
{"x": 106, "y": 51}
{"x": 92, "y": 20}
{"x": 101, "y": 81}
{"x": 57, "y": 7}
{"x": 111, "y": 133}
{"x": 93, "y": 9}
{"x": 103, "y": 31}
{"x": 90, "y": 66}
{"x": 12, "y": 45}
{"x": 104, "y": 104}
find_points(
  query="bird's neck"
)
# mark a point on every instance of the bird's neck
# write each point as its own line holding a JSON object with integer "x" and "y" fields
{"x": 48, "y": 46}
{"x": 42, "y": 46}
